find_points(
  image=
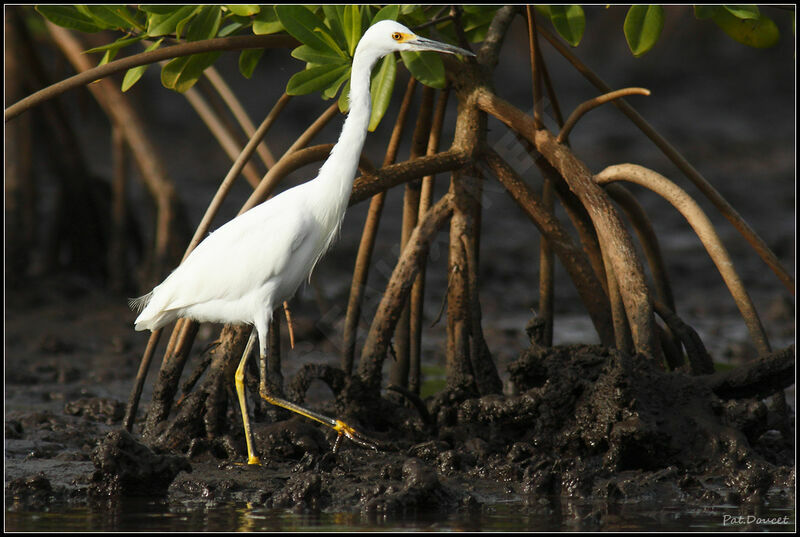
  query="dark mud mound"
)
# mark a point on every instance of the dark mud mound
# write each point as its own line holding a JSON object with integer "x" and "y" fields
{"x": 592, "y": 421}
{"x": 586, "y": 422}
{"x": 127, "y": 467}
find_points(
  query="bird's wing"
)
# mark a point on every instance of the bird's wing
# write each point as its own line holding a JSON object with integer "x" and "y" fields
{"x": 238, "y": 257}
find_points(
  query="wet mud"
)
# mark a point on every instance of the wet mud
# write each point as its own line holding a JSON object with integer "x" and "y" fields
{"x": 580, "y": 421}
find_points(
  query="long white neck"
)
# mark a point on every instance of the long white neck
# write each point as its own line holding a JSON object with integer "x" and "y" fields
{"x": 335, "y": 180}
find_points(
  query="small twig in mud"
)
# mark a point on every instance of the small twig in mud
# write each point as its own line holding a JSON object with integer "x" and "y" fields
{"x": 444, "y": 298}
{"x": 289, "y": 325}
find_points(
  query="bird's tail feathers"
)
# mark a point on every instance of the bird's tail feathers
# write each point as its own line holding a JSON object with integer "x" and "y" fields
{"x": 138, "y": 304}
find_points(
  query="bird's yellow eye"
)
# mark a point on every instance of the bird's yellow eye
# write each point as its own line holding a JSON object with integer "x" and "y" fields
{"x": 397, "y": 36}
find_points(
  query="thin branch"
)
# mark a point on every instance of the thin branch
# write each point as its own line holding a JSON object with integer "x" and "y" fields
{"x": 122, "y": 115}
{"x": 418, "y": 290}
{"x": 146, "y": 58}
{"x": 238, "y": 111}
{"x": 367, "y": 243}
{"x": 399, "y": 372}
{"x": 390, "y": 176}
{"x": 220, "y": 133}
{"x": 591, "y": 104}
{"x": 227, "y": 182}
{"x": 489, "y": 53}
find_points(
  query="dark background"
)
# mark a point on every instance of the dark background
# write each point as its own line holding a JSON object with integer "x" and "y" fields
{"x": 728, "y": 108}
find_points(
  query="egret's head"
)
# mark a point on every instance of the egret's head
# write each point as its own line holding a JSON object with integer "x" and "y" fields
{"x": 389, "y": 36}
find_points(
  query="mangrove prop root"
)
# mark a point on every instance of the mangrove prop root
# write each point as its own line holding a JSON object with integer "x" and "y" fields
{"x": 705, "y": 232}
{"x": 699, "y": 360}
{"x": 332, "y": 376}
{"x": 760, "y": 378}
{"x": 379, "y": 335}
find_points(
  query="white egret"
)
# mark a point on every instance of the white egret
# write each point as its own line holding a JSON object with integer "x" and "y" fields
{"x": 240, "y": 272}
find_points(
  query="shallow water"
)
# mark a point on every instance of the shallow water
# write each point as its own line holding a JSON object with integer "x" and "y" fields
{"x": 733, "y": 157}
{"x": 567, "y": 515}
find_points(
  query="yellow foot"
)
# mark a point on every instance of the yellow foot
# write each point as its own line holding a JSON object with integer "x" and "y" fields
{"x": 254, "y": 460}
{"x": 345, "y": 430}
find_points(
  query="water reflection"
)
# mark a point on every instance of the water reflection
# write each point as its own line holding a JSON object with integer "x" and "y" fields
{"x": 133, "y": 514}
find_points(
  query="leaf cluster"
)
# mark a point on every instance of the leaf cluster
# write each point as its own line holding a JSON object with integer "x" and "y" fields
{"x": 643, "y": 24}
{"x": 329, "y": 34}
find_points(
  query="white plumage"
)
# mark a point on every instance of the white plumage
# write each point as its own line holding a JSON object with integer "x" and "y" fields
{"x": 241, "y": 271}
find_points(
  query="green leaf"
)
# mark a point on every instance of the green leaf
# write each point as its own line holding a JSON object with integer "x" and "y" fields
{"x": 569, "y": 22}
{"x": 390, "y": 12}
{"x": 758, "y": 33}
{"x": 351, "y": 24}
{"x": 382, "y": 85}
{"x": 160, "y": 9}
{"x": 344, "y": 98}
{"x": 703, "y": 12}
{"x": 476, "y": 21}
{"x": 333, "y": 45}
{"x": 642, "y": 27}
{"x": 182, "y": 24}
{"x": 69, "y": 17}
{"x": 205, "y": 24}
{"x": 303, "y": 25}
{"x": 333, "y": 17}
{"x": 164, "y": 24}
{"x": 312, "y": 55}
{"x": 744, "y": 11}
{"x": 107, "y": 57}
{"x": 244, "y": 10}
{"x": 228, "y": 29}
{"x": 248, "y": 59}
{"x": 314, "y": 79}
{"x": 182, "y": 73}
{"x": 427, "y": 67}
{"x": 116, "y": 16}
{"x": 116, "y": 45}
{"x": 266, "y": 22}
{"x": 330, "y": 91}
{"x": 133, "y": 75}
{"x": 544, "y": 9}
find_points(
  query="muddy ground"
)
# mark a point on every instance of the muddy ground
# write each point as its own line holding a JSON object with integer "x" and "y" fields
{"x": 577, "y": 421}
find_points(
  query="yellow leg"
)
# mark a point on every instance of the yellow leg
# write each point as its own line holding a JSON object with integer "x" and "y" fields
{"x": 337, "y": 425}
{"x": 252, "y": 458}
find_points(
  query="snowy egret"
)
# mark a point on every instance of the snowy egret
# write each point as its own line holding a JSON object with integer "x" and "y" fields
{"x": 240, "y": 272}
